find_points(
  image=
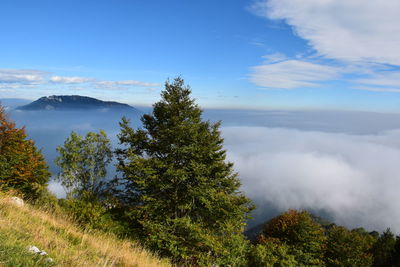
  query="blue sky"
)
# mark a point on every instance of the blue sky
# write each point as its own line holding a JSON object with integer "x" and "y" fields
{"x": 261, "y": 54}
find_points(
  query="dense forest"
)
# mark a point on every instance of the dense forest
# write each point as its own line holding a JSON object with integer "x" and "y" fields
{"x": 176, "y": 194}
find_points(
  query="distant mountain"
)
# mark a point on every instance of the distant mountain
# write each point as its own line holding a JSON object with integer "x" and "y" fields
{"x": 73, "y": 102}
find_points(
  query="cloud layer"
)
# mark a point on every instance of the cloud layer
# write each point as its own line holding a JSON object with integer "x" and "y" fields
{"x": 350, "y": 171}
{"x": 353, "y": 178}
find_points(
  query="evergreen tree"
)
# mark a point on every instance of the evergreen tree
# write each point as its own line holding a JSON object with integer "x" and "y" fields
{"x": 22, "y": 166}
{"x": 182, "y": 196}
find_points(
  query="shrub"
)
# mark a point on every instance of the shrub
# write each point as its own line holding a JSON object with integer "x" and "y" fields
{"x": 22, "y": 166}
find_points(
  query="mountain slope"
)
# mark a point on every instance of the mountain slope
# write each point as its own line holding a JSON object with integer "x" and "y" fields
{"x": 65, "y": 243}
{"x": 65, "y": 102}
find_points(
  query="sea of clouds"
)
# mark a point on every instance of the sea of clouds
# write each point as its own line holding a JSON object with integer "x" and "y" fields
{"x": 342, "y": 166}
{"x": 355, "y": 179}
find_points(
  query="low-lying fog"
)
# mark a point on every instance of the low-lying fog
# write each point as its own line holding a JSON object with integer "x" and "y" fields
{"x": 345, "y": 164}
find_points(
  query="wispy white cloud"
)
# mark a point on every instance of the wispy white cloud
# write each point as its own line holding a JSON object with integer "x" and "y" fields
{"x": 360, "y": 37}
{"x": 274, "y": 58}
{"x": 278, "y": 72}
{"x": 356, "y": 30}
{"x": 15, "y": 79}
{"x": 123, "y": 84}
{"x": 70, "y": 80}
{"x": 387, "y": 78}
{"x": 15, "y": 76}
{"x": 378, "y": 89}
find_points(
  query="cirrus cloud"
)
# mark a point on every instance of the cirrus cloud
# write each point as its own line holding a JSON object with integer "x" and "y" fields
{"x": 21, "y": 76}
{"x": 123, "y": 84}
{"x": 355, "y": 42}
{"x": 356, "y": 30}
{"x": 289, "y": 74}
{"x": 70, "y": 80}
{"x": 18, "y": 80}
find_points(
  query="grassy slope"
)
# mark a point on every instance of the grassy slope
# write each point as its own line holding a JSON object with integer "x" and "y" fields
{"x": 65, "y": 243}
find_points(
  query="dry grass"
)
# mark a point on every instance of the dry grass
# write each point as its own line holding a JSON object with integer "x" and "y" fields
{"x": 67, "y": 244}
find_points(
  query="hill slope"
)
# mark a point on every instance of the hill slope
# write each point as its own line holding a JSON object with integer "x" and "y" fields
{"x": 65, "y": 102}
{"x": 65, "y": 243}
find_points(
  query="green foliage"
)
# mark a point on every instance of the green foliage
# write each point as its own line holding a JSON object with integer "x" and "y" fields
{"x": 179, "y": 192}
{"x": 396, "y": 253}
{"x": 271, "y": 252}
{"x": 90, "y": 213}
{"x": 304, "y": 237}
{"x": 85, "y": 210}
{"x": 192, "y": 244}
{"x": 384, "y": 249}
{"x": 83, "y": 163}
{"x": 46, "y": 199}
{"x": 22, "y": 166}
{"x": 348, "y": 248}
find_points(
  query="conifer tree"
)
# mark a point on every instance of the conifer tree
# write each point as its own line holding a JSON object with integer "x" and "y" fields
{"x": 183, "y": 196}
{"x": 22, "y": 166}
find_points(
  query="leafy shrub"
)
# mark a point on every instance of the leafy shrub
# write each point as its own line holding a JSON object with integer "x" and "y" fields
{"x": 270, "y": 252}
{"x": 90, "y": 213}
{"x": 348, "y": 248}
{"x": 22, "y": 166}
{"x": 305, "y": 238}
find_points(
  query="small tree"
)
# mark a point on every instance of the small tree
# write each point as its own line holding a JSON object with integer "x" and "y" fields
{"x": 83, "y": 163}
{"x": 22, "y": 166}
{"x": 348, "y": 248}
{"x": 304, "y": 237}
{"x": 181, "y": 194}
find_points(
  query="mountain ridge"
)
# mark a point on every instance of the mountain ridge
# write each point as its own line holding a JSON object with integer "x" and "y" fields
{"x": 68, "y": 102}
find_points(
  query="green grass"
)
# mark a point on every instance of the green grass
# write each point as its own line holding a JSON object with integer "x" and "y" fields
{"x": 13, "y": 253}
{"x": 65, "y": 242}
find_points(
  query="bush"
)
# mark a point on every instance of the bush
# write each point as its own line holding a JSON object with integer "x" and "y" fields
{"x": 90, "y": 213}
{"x": 304, "y": 237}
{"x": 270, "y": 252}
{"x": 22, "y": 166}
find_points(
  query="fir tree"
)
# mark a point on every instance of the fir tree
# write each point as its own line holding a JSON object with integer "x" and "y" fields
{"x": 183, "y": 196}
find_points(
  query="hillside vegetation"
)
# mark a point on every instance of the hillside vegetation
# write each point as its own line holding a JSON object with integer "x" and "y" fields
{"x": 65, "y": 243}
{"x": 174, "y": 193}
